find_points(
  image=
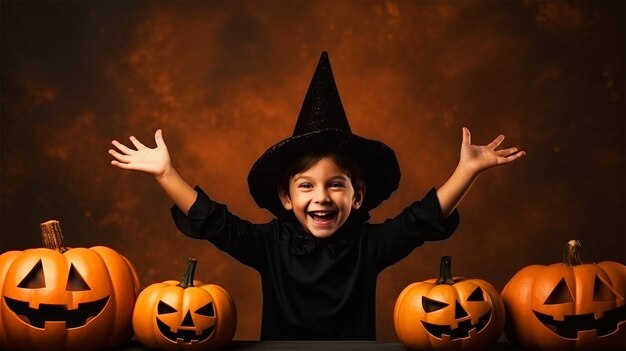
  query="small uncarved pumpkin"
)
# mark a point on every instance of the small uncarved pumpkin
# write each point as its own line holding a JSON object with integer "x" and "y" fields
{"x": 567, "y": 305}
{"x": 60, "y": 298}
{"x": 186, "y": 314}
{"x": 449, "y": 313}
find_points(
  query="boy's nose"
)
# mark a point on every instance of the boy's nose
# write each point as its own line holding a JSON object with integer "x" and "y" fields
{"x": 321, "y": 196}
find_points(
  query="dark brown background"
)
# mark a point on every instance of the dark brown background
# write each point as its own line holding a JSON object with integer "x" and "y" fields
{"x": 225, "y": 80}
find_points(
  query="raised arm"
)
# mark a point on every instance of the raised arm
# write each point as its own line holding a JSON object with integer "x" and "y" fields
{"x": 157, "y": 163}
{"x": 474, "y": 160}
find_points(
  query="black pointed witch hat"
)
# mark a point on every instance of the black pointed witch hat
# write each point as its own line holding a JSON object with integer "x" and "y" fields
{"x": 323, "y": 126}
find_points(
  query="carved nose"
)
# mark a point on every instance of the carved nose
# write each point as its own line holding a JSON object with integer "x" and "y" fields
{"x": 459, "y": 311}
{"x": 188, "y": 321}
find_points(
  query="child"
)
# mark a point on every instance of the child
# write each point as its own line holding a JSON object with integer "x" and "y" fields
{"x": 319, "y": 259}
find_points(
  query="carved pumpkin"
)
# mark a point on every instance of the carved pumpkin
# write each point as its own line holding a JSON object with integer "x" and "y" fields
{"x": 449, "y": 313}
{"x": 567, "y": 305}
{"x": 65, "y": 298}
{"x": 184, "y": 315}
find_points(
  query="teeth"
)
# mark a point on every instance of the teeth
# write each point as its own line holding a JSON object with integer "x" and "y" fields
{"x": 322, "y": 216}
{"x": 321, "y": 213}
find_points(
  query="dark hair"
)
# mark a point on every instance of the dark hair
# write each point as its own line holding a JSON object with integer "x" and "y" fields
{"x": 306, "y": 161}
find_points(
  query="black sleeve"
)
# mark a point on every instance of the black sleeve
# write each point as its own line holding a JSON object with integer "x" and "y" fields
{"x": 212, "y": 221}
{"x": 394, "y": 239}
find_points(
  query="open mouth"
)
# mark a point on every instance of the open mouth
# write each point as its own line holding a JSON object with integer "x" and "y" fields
{"x": 186, "y": 336}
{"x": 570, "y": 325}
{"x": 322, "y": 217}
{"x": 462, "y": 331}
{"x": 37, "y": 317}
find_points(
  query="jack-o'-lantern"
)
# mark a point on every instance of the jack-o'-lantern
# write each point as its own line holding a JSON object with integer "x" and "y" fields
{"x": 184, "y": 315}
{"x": 65, "y": 298}
{"x": 449, "y": 313}
{"x": 567, "y": 305}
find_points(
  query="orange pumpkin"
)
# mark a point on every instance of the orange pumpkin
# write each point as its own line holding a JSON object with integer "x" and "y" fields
{"x": 60, "y": 298}
{"x": 449, "y": 313}
{"x": 567, "y": 305}
{"x": 185, "y": 315}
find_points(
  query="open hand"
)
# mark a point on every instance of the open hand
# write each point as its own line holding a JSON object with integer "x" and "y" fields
{"x": 155, "y": 161}
{"x": 478, "y": 158}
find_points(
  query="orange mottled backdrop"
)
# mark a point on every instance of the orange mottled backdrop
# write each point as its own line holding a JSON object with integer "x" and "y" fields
{"x": 225, "y": 80}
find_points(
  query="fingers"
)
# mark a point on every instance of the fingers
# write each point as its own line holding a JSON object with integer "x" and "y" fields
{"x": 158, "y": 138}
{"x": 119, "y": 157}
{"x": 139, "y": 159}
{"x": 496, "y": 142}
{"x": 467, "y": 139}
{"x": 506, "y": 152}
{"x": 122, "y": 147}
{"x": 467, "y": 136}
{"x": 121, "y": 165}
{"x": 136, "y": 142}
{"x": 511, "y": 158}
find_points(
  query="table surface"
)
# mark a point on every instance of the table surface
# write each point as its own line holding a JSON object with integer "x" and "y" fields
{"x": 134, "y": 345}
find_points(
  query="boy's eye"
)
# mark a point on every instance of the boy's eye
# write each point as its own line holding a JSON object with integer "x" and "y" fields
{"x": 336, "y": 185}
{"x": 305, "y": 186}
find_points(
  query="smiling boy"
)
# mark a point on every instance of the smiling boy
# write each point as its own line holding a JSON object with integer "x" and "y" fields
{"x": 322, "y": 196}
{"x": 320, "y": 258}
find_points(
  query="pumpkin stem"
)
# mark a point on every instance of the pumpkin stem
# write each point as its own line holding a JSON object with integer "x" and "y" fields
{"x": 52, "y": 236}
{"x": 445, "y": 271}
{"x": 571, "y": 255}
{"x": 190, "y": 270}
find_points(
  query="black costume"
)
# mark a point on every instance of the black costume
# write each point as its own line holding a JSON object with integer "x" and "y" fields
{"x": 317, "y": 289}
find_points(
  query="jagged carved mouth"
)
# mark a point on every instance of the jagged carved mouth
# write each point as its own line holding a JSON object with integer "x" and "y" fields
{"x": 462, "y": 331}
{"x": 570, "y": 325}
{"x": 187, "y": 336}
{"x": 37, "y": 317}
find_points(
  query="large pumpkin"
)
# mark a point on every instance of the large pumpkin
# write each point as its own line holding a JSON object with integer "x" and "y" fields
{"x": 60, "y": 298}
{"x": 567, "y": 305}
{"x": 449, "y": 313}
{"x": 184, "y": 314}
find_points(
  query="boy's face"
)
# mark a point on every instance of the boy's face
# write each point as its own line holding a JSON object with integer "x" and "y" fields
{"x": 322, "y": 198}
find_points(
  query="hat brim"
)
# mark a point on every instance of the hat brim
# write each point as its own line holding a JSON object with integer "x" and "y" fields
{"x": 377, "y": 161}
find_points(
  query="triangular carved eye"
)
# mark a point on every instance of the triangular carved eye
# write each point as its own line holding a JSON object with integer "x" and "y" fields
{"x": 560, "y": 294}
{"x": 75, "y": 281}
{"x": 431, "y": 305}
{"x": 477, "y": 295}
{"x": 601, "y": 292}
{"x": 165, "y": 308}
{"x": 206, "y": 310}
{"x": 35, "y": 279}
